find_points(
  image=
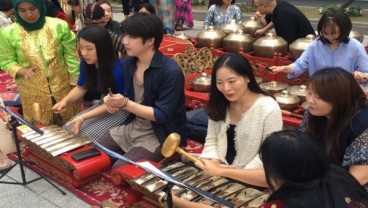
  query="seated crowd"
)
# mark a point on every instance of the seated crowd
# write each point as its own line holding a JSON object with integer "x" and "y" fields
{"x": 322, "y": 164}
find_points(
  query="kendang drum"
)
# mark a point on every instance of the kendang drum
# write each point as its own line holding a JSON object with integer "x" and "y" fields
{"x": 172, "y": 45}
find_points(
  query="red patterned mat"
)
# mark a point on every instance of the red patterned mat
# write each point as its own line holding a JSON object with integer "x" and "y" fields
{"x": 103, "y": 188}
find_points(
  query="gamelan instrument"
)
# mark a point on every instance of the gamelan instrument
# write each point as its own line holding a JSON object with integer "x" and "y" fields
{"x": 53, "y": 152}
{"x": 152, "y": 187}
{"x": 171, "y": 146}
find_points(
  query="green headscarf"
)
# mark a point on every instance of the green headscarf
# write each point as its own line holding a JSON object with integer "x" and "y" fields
{"x": 40, "y": 22}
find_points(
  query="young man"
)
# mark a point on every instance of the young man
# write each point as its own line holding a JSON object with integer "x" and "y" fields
{"x": 6, "y": 11}
{"x": 289, "y": 22}
{"x": 154, "y": 94}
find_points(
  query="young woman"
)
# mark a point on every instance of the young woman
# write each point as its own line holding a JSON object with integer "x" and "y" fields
{"x": 110, "y": 24}
{"x": 39, "y": 52}
{"x": 300, "y": 175}
{"x": 338, "y": 119}
{"x": 221, "y": 13}
{"x": 241, "y": 115}
{"x": 95, "y": 14}
{"x": 332, "y": 48}
{"x": 99, "y": 70}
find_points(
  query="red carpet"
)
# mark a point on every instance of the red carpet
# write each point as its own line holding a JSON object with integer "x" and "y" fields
{"x": 103, "y": 188}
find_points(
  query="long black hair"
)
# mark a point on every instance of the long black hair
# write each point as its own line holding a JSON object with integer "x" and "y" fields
{"x": 338, "y": 87}
{"x": 217, "y": 104}
{"x": 300, "y": 174}
{"x": 106, "y": 59}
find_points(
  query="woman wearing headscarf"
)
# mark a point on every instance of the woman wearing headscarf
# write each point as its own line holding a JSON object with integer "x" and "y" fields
{"x": 39, "y": 52}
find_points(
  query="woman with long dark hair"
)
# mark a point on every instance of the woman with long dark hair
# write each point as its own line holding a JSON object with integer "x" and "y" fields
{"x": 99, "y": 70}
{"x": 300, "y": 175}
{"x": 110, "y": 23}
{"x": 338, "y": 119}
{"x": 241, "y": 115}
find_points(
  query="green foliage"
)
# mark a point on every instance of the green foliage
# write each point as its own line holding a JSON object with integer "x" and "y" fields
{"x": 198, "y": 2}
{"x": 353, "y": 11}
{"x": 245, "y": 7}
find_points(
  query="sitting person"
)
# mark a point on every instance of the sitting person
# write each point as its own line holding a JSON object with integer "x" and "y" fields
{"x": 332, "y": 48}
{"x": 241, "y": 115}
{"x": 153, "y": 94}
{"x": 300, "y": 175}
{"x": 99, "y": 70}
{"x": 110, "y": 24}
{"x": 222, "y": 12}
{"x": 94, "y": 14}
{"x": 338, "y": 119}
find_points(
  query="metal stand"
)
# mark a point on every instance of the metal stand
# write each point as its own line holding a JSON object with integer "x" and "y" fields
{"x": 22, "y": 163}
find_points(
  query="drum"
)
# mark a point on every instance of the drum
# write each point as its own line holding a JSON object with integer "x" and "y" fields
{"x": 172, "y": 45}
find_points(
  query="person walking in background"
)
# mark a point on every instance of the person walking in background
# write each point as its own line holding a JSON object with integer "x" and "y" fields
{"x": 40, "y": 53}
{"x": 183, "y": 14}
{"x": 289, "y": 22}
{"x": 334, "y": 47}
{"x": 222, "y": 12}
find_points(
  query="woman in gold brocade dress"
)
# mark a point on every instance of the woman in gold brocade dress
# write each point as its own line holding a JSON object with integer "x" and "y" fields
{"x": 39, "y": 52}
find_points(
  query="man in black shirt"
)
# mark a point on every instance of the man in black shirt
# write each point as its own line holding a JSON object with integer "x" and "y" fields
{"x": 289, "y": 22}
